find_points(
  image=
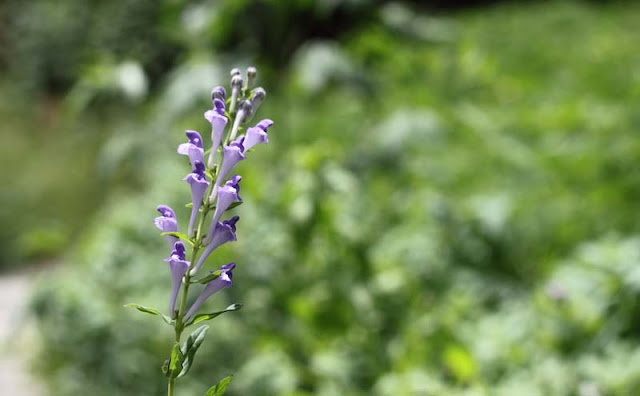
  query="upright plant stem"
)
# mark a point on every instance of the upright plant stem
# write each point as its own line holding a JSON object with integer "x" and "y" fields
{"x": 179, "y": 325}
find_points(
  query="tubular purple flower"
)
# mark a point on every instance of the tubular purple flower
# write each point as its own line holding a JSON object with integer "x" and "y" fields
{"x": 222, "y": 233}
{"x": 221, "y": 282}
{"x": 193, "y": 148}
{"x": 167, "y": 222}
{"x": 232, "y": 154}
{"x": 218, "y": 123}
{"x": 179, "y": 267}
{"x": 257, "y": 134}
{"x": 227, "y": 194}
{"x": 199, "y": 185}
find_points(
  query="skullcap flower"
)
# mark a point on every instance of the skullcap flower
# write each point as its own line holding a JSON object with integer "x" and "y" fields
{"x": 167, "y": 222}
{"x": 193, "y": 148}
{"x": 199, "y": 185}
{"x": 179, "y": 267}
{"x": 222, "y": 233}
{"x": 221, "y": 282}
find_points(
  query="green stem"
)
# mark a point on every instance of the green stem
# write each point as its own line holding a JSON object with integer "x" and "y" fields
{"x": 179, "y": 326}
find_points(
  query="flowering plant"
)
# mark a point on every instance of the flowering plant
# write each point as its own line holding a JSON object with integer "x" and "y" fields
{"x": 213, "y": 191}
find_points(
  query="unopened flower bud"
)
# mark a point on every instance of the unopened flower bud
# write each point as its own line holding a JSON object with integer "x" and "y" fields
{"x": 245, "y": 111}
{"x": 218, "y": 93}
{"x": 236, "y": 81}
{"x": 257, "y": 97}
{"x": 236, "y": 86}
{"x": 235, "y": 71}
{"x": 252, "y": 72}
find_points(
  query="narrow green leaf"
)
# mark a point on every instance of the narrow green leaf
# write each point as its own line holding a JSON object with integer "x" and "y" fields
{"x": 220, "y": 388}
{"x": 176, "y": 361}
{"x": 179, "y": 235}
{"x": 209, "y": 316}
{"x": 190, "y": 347}
{"x": 208, "y": 278}
{"x": 235, "y": 205}
{"x": 151, "y": 311}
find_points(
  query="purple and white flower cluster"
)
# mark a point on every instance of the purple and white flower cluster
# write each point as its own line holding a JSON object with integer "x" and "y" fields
{"x": 214, "y": 188}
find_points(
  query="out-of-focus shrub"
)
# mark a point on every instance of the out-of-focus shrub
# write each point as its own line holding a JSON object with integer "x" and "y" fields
{"x": 450, "y": 216}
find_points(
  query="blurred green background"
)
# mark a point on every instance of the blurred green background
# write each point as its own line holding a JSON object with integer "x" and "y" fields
{"x": 447, "y": 205}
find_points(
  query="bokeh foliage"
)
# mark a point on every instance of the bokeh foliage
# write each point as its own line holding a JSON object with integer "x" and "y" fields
{"x": 446, "y": 207}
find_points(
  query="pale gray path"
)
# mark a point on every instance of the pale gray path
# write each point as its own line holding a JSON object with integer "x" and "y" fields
{"x": 15, "y": 379}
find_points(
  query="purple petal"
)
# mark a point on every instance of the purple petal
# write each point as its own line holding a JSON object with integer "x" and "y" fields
{"x": 233, "y": 153}
{"x": 227, "y": 195}
{"x": 222, "y": 233}
{"x": 199, "y": 185}
{"x": 193, "y": 148}
{"x": 221, "y": 282}
{"x": 264, "y": 124}
{"x": 167, "y": 223}
{"x": 178, "y": 267}
{"x": 254, "y": 136}
{"x": 166, "y": 211}
{"x": 218, "y": 123}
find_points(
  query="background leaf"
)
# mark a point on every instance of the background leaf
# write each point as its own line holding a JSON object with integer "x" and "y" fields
{"x": 220, "y": 388}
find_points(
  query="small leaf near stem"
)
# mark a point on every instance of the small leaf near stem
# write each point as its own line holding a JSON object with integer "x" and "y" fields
{"x": 179, "y": 235}
{"x": 209, "y": 316}
{"x": 220, "y": 388}
{"x": 190, "y": 347}
{"x": 151, "y": 311}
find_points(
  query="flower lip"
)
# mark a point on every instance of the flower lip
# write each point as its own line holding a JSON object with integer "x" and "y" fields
{"x": 231, "y": 223}
{"x": 264, "y": 124}
{"x": 228, "y": 267}
{"x": 178, "y": 252}
{"x": 194, "y": 138}
{"x": 193, "y": 148}
{"x": 166, "y": 211}
{"x": 234, "y": 183}
{"x": 198, "y": 169}
{"x": 218, "y": 106}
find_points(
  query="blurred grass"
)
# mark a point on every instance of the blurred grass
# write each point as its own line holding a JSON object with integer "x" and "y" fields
{"x": 446, "y": 207}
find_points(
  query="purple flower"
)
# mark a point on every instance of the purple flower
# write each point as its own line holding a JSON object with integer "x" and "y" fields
{"x": 222, "y": 233}
{"x": 167, "y": 222}
{"x": 227, "y": 195}
{"x": 221, "y": 282}
{"x": 257, "y": 134}
{"x": 218, "y": 122}
{"x": 193, "y": 148}
{"x": 178, "y": 267}
{"x": 199, "y": 185}
{"x": 232, "y": 154}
